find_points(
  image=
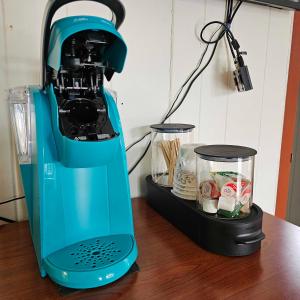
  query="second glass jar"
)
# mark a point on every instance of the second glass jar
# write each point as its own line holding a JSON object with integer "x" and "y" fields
{"x": 225, "y": 180}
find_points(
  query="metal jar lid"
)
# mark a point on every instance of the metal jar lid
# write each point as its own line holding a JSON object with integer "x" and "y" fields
{"x": 172, "y": 127}
{"x": 225, "y": 153}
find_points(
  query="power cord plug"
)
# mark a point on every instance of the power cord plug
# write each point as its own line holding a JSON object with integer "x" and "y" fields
{"x": 241, "y": 74}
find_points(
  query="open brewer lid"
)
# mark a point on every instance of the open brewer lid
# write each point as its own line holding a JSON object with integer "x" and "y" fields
{"x": 225, "y": 153}
{"x": 172, "y": 127}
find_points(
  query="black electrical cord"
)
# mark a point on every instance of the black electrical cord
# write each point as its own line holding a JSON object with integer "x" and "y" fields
{"x": 137, "y": 141}
{"x": 232, "y": 42}
{"x": 178, "y": 105}
{"x": 229, "y": 34}
{"x": 169, "y": 113}
{"x": 230, "y": 46}
{"x": 9, "y": 201}
{"x": 233, "y": 45}
{"x": 194, "y": 79}
{"x": 7, "y": 220}
{"x": 140, "y": 159}
{"x": 230, "y": 14}
{"x": 226, "y": 30}
{"x": 235, "y": 11}
{"x": 12, "y": 200}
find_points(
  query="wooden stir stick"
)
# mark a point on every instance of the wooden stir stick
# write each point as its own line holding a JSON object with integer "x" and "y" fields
{"x": 170, "y": 150}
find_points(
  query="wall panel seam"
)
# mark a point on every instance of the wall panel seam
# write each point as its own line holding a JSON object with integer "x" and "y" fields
{"x": 5, "y": 81}
{"x": 264, "y": 80}
{"x": 171, "y": 61}
{"x": 201, "y": 80}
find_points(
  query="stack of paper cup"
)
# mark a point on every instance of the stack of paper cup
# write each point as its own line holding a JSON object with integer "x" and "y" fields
{"x": 185, "y": 180}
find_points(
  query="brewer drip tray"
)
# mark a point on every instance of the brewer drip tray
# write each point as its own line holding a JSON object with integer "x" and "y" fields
{"x": 103, "y": 259}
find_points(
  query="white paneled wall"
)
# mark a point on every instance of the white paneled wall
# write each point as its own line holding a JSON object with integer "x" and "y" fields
{"x": 6, "y": 177}
{"x": 222, "y": 115}
{"x": 162, "y": 50}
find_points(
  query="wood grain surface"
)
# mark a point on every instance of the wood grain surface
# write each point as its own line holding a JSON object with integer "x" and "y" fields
{"x": 172, "y": 266}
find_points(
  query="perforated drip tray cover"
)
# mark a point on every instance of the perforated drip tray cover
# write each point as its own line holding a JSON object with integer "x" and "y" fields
{"x": 93, "y": 254}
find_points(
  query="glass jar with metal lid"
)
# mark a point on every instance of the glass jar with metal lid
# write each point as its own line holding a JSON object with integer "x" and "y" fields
{"x": 225, "y": 180}
{"x": 166, "y": 141}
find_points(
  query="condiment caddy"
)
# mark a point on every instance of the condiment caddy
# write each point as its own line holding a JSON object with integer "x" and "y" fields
{"x": 222, "y": 218}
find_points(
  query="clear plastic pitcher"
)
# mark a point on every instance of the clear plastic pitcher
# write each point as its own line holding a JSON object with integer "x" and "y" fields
{"x": 22, "y": 113}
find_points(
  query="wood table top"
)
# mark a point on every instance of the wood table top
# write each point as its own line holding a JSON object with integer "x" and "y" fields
{"x": 171, "y": 266}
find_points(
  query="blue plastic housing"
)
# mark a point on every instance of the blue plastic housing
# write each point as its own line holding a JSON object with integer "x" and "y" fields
{"x": 64, "y": 28}
{"x": 77, "y": 192}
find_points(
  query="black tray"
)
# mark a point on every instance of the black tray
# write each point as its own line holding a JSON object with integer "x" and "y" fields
{"x": 230, "y": 237}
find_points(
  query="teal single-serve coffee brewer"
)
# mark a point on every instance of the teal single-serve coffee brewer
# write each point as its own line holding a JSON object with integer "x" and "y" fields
{"x": 72, "y": 154}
